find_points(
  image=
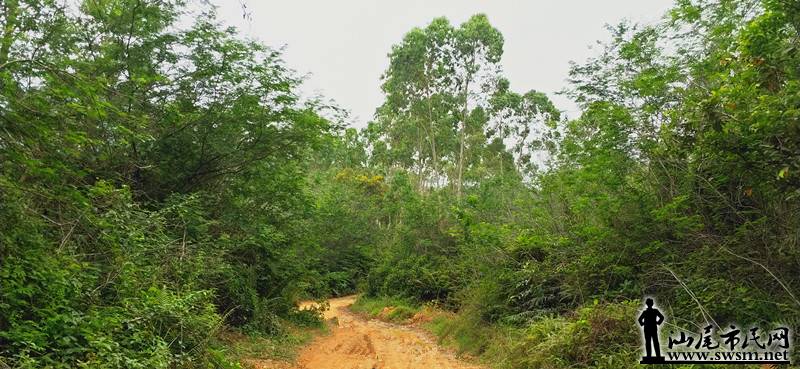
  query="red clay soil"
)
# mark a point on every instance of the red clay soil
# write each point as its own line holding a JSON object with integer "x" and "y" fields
{"x": 358, "y": 343}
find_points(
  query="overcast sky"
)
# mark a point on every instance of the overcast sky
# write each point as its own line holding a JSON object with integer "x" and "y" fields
{"x": 343, "y": 44}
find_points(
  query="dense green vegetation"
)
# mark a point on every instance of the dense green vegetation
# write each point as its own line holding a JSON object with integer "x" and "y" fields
{"x": 392, "y": 309}
{"x": 152, "y": 186}
{"x": 161, "y": 184}
{"x": 678, "y": 180}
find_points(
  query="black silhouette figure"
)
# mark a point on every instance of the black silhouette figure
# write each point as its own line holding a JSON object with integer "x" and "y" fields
{"x": 650, "y": 319}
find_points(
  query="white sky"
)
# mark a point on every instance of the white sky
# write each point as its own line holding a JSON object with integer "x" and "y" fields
{"x": 344, "y": 44}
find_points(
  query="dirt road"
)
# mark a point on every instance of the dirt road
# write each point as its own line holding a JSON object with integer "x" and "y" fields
{"x": 360, "y": 343}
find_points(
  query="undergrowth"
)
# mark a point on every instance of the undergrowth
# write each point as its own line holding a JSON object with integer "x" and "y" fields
{"x": 391, "y": 309}
{"x": 598, "y": 336}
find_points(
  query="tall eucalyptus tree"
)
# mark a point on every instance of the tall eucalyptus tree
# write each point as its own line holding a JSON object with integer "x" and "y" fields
{"x": 447, "y": 99}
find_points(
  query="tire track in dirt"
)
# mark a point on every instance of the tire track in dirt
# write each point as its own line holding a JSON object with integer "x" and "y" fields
{"x": 358, "y": 343}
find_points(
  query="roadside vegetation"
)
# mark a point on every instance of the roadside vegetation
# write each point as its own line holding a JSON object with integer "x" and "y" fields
{"x": 544, "y": 233}
{"x": 152, "y": 187}
{"x": 390, "y": 309}
{"x": 163, "y": 186}
{"x": 246, "y": 350}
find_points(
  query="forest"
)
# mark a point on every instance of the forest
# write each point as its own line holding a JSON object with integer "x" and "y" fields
{"x": 164, "y": 184}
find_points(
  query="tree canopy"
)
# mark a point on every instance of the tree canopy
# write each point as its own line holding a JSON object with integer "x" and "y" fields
{"x": 163, "y": 182}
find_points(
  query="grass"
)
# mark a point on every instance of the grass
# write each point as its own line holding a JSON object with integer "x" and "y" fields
{"x": 390, "y": 309}
{"x": 584, "y": 339}
{"x": 238, "y": 349}
{"x": 596, "y": 336}
{"x": 468, "y": 336}
{"x": 491, "y": 344}
{"x": 599, "y": 336}
{"x": 283, "y": 347}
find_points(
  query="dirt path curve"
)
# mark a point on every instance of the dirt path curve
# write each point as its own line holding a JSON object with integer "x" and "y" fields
{"x": 361, "y": 343}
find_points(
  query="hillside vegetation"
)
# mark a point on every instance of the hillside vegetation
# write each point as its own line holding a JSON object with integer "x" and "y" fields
{"x": 162, "y": 182}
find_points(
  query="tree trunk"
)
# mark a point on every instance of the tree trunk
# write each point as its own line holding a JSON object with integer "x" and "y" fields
{"x": 462, "y": 138}
{"x": 420, "y": 184}
{"x": 432, "y": 140}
